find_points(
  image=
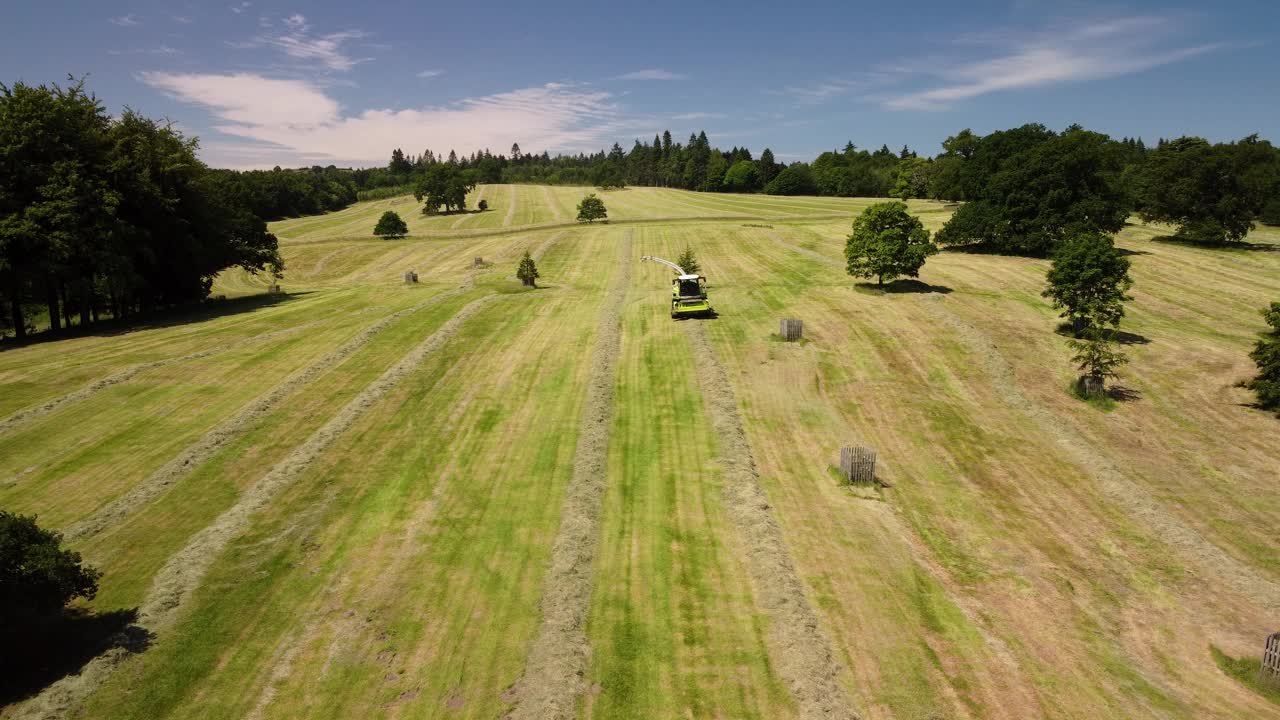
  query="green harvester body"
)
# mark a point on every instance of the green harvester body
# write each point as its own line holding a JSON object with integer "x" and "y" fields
{"x": 688, "y": 291}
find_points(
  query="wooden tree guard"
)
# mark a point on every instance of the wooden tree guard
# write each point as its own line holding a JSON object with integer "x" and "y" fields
{"x": 858, "y": 464}
{"x": 273, "y": 289}
{"x": 1270, "y": 672}
{"x": 790, "y": 330}
{"x": 410, "y": 277}
{"x": 478, "y": 262}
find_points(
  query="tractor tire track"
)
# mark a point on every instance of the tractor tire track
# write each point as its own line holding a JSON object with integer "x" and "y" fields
{"x": 207, "y": 446}
{"x": 556, "y": 213}
{"x": 184, "y": 571}
{"x": 798, "y": 646}
{"x": 556, "y": 666}
{"x": 511, "y": 207}
{"x": 97, "y": 386}
{"x": 1118, "y": 488}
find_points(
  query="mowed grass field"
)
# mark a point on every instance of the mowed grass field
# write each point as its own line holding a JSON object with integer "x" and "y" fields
{"x": 347, "y": 500}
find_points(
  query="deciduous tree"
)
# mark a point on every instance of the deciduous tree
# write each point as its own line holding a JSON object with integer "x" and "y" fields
{"x": 887, "y": 242}
{"x": 591, "y": 209}
{"x": 390, "y": 226}
{"x": 37, "y": 575}
{"x": 1088, "y": 281}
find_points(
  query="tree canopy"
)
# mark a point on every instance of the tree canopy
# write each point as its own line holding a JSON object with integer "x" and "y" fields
{"x": 37, "y": 575}
{"x": 795, "y": 179}
{"x": 1030, "y": 188}
{"x": 1266, "y": 354}
{"x": 111, "y": 216}
{"x": 527, "y": 272}
{"x": 391, "y": 226}
{"x": 1212, "y": 193}
{"x": 887, "y": 242}
{"x": 689, "y": 261}
{"x": 444, "y": 185}
{"x": 591, "y": 209}
{"x": 1088, "y": 281}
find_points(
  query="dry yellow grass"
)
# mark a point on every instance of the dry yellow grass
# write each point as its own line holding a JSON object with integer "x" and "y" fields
{"x": 1031, "y": 556}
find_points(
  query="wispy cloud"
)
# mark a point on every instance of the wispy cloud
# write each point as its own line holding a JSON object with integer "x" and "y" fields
{"x": 296, "y": 39}
{"x": 182, "y": 19}
{"x": 430, "y": 73}
{"x": 1074, "y": 53}
{"x": 237, "y": 9}
{"x": 296, "y": 122}
{"x": 125, "y": 20}
{"x": 698, "y": 116}
{"x": 651, "y": 74}
{"x": 161, "y": 50}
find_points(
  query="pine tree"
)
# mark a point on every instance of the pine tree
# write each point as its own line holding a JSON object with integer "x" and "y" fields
{"x": 1266, "y": 354}
{"x": 527, "y": 273}
{"x": 1097, "y": 358}
{"x": 688, "y": 261}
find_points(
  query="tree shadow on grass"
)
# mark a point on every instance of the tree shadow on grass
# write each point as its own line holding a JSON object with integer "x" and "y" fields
{"x": 182, "y": 315}
{"x": 1124, "y": 338}
{"x": 1240, "y": 245}
{"x": 39, "y": 653}
{"x": 1120, "y": 393}
{"x": 902, "y": 286}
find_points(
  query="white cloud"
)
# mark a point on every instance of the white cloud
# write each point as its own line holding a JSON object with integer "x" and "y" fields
{"x": 237, "y": 9}
{"x": 430, "y": 73}
{"x": 125, "y": 20}
{"x": 182, "y": 19}
{"x": 1086, "y": 51}
{"x": 293, "y": 122}
{"x": 651, "y": 74}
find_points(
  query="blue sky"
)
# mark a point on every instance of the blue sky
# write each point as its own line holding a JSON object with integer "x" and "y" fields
{"x": 291, "y": 83}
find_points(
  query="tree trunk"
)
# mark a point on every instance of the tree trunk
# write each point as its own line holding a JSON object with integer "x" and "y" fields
{"x": 86, "y": 302}
{"x": 67, "y": 313}
{"x": 15, "y": 311}
{"x": 51, "y": 298}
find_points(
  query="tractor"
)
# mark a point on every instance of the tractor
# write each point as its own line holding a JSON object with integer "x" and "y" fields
{"x": 688, "y": 291}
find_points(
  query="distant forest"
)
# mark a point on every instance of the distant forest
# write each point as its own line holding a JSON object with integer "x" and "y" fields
{"x": 104, "y": 217}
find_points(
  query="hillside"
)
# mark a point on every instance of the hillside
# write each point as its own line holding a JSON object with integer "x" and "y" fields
{"x": 347, "y": 500}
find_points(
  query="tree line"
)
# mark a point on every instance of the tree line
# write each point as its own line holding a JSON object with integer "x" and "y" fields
{"x": 1022, "y": 187}
{"x": 108, "y": 217}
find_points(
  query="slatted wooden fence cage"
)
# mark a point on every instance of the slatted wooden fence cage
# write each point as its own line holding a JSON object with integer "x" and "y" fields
{"x": 410, "y": 277}
{"x": 1270, "y": 672}
{"x": 858, "y": 464}
{"x": 478, "y": 262}
{"x": 791, "y": 330}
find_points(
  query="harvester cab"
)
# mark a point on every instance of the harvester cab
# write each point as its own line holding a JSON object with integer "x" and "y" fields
{"x": 688, "y": 291}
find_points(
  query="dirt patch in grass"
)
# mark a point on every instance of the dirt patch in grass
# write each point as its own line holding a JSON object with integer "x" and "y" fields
{"x": 211, "y": 442}
{"x": 1122, "y": 491}
{"x": 182, "y": 574}
{"x": 799, "y": 647}
{"x": 97, "y": 386}
{"x": 555, "y": 669}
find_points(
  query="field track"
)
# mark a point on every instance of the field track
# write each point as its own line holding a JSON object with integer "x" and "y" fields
{"x": 463, "y": 498}
{"x": 557, "y": 662}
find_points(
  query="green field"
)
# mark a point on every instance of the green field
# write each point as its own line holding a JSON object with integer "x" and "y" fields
{"x": 347, "y": 500}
